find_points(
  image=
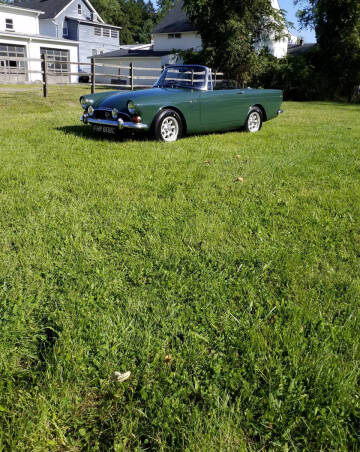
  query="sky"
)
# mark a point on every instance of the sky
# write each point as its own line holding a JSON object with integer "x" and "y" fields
{"x": 288, "y": 6}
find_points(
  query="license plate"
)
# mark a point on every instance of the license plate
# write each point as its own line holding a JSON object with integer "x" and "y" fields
{"x": 104, "y": 129}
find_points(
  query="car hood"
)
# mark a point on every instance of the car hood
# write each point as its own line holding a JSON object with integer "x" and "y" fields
{"x": 120, "y": 100}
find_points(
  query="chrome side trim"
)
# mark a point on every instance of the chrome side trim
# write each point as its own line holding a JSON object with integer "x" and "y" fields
{"x": 119, "y": 124}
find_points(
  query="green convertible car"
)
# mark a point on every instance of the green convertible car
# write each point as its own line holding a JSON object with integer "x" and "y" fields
{"x": 183, "y": 101}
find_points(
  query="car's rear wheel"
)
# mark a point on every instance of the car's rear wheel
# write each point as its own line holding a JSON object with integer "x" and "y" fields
{"x": 168, "y": 126}
{"x": 254, "y": 120}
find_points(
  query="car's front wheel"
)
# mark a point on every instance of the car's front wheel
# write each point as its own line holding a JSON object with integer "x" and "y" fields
{"x": 254, "y": 120}
{"x": 168, "y": 126}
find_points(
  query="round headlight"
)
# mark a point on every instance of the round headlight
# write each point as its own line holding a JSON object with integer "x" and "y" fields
{"x": 131, "y": 107}
{"x": 83, "y": 102}
{"x": 114, "y": 113}
{"x": 90, "y": 110}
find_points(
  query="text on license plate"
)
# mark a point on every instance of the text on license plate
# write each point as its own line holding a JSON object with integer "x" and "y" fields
{"x": 104, "y": 129}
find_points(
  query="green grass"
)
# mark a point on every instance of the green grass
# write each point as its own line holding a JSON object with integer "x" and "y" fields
{"x": 116, "y": 253}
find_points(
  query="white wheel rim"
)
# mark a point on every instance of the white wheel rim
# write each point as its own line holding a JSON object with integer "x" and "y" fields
{"x": 169, "y": 129}
{"x": 254, "y": 121}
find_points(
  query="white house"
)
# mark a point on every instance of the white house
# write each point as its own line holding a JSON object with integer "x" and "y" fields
{"x": 20, "y": 39}
{"x": 76, "y": 20}
{"x": 175, "y": 31}
{"x": 293, "y": 40}
{"x": 277, "y": 47}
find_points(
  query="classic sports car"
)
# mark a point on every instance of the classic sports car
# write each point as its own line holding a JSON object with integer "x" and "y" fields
{"x": 183, "y": 101}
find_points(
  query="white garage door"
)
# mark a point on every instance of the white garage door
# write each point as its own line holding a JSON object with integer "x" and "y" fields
{"x": 11, "y": 69}
{"x": 57, "y": 66}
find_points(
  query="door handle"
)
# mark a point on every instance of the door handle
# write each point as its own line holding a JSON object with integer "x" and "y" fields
{"x": 241, "y": 92}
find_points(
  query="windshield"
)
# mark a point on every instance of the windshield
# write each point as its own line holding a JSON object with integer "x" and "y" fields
{"x": 192, "y": 77}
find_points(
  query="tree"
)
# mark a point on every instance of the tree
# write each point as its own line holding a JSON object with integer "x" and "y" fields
{"x": 110, "y": 10}
{"x": 140, "y": 20}
{"x": 231, "y": 29}
{"x": 135, "y": 17}
{"x": 337, "y": 27}
{"x": 163, "y": 7}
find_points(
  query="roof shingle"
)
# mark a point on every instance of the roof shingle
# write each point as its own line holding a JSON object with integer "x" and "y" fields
{"x": 51, "y": 8}
{"x": 297, "y": 50}
{"x": 122, "y": 53}
{"x": 175, "y": 21}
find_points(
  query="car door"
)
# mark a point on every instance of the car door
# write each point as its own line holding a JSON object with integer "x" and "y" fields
{"x": 223, "y": 109}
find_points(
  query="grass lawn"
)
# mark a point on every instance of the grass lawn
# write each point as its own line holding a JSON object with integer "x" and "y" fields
{"x": 117, "y": 253}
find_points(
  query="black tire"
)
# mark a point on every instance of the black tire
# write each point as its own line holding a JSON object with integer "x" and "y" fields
{"x": 168, "y": 126}
{"x": 254, "y": 120}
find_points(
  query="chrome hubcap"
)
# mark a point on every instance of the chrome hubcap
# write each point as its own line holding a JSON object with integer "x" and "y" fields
{"x": 254, "y": 122}
{"x": 169, "y": 129}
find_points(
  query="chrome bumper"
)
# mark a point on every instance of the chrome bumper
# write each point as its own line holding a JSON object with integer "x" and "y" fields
{"x": 119, "y": 123}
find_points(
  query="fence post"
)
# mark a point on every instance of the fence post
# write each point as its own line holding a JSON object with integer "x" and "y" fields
{"x": 44, "y": 69}
{"x": 132, "y": 76}
{"x": 215, "y": 79}
{"x": 92, "y": 75}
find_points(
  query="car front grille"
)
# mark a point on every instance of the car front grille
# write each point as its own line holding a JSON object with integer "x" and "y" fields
{"x": 106, "y": 114}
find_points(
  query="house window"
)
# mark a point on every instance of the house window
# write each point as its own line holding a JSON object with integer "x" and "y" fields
{"x": 174, "y": 35}
{"x": 106, "y": 32}
{"x": 114, "y": 33}
{"x": 9, "y": 24}
{"x": 57, "y": 59}
{"x": 79, "y": 9}
{"x": 97, "y": 31}
{"x": 65, "y": 28}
